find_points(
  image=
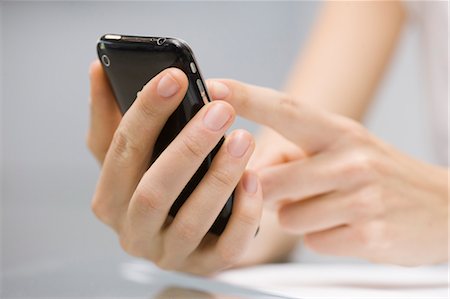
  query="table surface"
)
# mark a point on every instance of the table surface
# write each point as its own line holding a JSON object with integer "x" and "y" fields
{"x": 138, "y": 279}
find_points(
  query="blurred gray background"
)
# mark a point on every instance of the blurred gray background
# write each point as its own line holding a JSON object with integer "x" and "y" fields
{"x": 47, "y": 174}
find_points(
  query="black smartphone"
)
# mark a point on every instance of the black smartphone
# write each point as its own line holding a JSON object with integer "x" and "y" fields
{"x": 130, "y": 62}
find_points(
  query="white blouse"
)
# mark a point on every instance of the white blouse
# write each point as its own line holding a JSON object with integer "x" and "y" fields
{"x": 432, "y": 20}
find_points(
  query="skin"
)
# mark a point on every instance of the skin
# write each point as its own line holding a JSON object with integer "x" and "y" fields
{"x": 351, "y": 194}
{"x": 324, "y": 176}
{"x": 338, "y": 70}
{"x": 334, "y": 73}
{"x": 135, "y": 201}
{"x": 349, "y": 48}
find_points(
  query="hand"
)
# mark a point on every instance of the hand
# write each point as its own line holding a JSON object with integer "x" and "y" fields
{"x": 135, "y": 200}
{"x": 352, "y": 195}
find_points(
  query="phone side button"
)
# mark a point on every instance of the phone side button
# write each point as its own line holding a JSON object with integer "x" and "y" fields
{"x": 193, "y": 67}
{"x": 201, "y": 88}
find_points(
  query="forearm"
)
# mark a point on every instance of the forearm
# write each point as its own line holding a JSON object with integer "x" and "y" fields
{"x": 342, "y": 63}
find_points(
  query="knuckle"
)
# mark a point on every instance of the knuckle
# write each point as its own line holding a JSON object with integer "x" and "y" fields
{"x": 221, "y": 178}
{"x": 125, "y": 244}
{"x": 97, "y": 209}
{"x": 362, "y": 207}
{"x": 192, "y": 147}
{"x": 101, "y": 210}
{"x": 123, "y": 146}
{"x": 185, "y": 231}
{"x": 133, "y": 245}
{"x": 373, "y": 237}
{"x": 360, "y": 167}
{"x": 147, "y": 110}
{"x": 228, "y": 255}
{"x": 288, "y": 107}
{"x": 369, "y": 202}
{"x": 148, "y": 201}
{"x": 288, "y": 102}
{"x": 363, "y": 204}
{"x": 248, "y": 217}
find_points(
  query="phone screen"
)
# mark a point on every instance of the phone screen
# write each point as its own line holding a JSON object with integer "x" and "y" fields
{"x": 129, "y": 65}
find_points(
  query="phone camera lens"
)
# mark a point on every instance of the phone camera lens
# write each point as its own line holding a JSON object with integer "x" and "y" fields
{"x": 105, "y": 60}
{"x": 160, "y": 41}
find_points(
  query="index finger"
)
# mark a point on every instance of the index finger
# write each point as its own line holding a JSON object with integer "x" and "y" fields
{"x": 132, "y": 145}
{"x": 312, "y": 129}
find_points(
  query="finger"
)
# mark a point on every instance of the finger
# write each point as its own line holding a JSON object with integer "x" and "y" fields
{"x": 340, "y": 241}
{"x": 300, "y": 179}
{"x": 364, "y": 239}
{"x": 104, "y": 113}
{"x": 310, "y": 128}
{"x": 130, "y": 151}
{"x": 240, "y": 231}
{"x": 199, "y": 212}
{"x": 315, "y": 214}
{"x": 170, "y": 173}
{"x": 272, "y": 149}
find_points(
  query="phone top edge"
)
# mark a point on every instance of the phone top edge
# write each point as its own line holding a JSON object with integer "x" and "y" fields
{"x": 159, "y": 40}
{"x": 153, "y": 41}
{"x": 119, "y": 40}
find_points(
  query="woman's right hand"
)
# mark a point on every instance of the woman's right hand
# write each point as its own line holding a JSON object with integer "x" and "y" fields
{"x": 135, "y": 200}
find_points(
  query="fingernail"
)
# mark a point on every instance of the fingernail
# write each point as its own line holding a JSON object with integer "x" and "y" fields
{"x": 216, "y": 117}
{"x": 221, "y": 91}
{"x": 250, "y": 182}
{"x": 167, "y": 86}
{"x": 238, "y": 145}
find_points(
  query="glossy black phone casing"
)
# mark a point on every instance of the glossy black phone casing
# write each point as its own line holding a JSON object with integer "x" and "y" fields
{"x": 130, "y": 62}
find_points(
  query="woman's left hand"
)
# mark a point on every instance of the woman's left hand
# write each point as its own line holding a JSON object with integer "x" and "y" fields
{"x": 353, "y": 195}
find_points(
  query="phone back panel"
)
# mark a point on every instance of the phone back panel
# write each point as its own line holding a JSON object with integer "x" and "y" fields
{"x": 130, "y": 62}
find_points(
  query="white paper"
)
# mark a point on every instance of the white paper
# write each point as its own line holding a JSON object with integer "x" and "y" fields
{"x": 343, "y": 281}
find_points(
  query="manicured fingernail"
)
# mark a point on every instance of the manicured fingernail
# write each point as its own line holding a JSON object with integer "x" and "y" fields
{"x": 216, "y": 117}
{"x": 221, "y": 91}
{"x": 238, "y": 145}
{"x": 167, "y": 86}
{"x": 250, "y": 182}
